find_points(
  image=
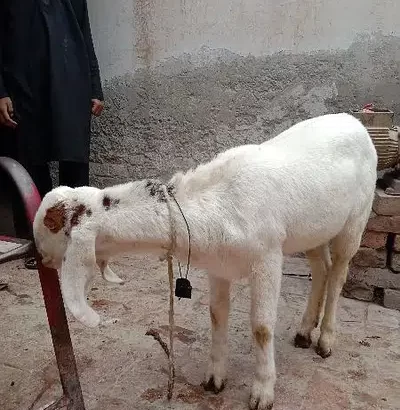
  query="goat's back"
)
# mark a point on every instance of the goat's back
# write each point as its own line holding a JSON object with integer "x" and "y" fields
{"x": 302, "y": 186}
{"x": 322, "y": 176}
{"x": 336, "y": 134}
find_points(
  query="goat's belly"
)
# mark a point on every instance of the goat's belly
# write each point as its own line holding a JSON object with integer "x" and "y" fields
{"x": 225, "y": 264}
{"x": 305, "y": 243}
{"x": 305, "y": 238}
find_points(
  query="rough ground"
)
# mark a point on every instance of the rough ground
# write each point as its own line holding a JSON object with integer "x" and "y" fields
{"x": 123, "y": 369}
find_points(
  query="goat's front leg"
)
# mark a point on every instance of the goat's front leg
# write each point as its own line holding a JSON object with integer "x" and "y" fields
{"x": 265, "y": 289}
{"x": 219, "y": 312}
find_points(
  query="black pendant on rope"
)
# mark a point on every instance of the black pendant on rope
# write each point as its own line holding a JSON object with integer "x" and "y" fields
{"x": 183, "y": 288}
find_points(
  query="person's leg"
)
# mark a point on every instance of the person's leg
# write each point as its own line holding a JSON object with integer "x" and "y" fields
{"x": 22, "y": 228}
{"x": 74, "y": 174}
{"x": 8, "y": 148}
{"x": 40, "y": 175}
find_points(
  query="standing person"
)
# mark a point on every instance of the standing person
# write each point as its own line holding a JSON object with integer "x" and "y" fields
{"x": 49, "y": 87}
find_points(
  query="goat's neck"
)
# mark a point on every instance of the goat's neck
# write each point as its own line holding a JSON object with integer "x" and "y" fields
{"x": 153, "y": 222}
{"x": 164, "y": 229}
{"x": 179, "y": 230}
{"x": 155, "y": 227}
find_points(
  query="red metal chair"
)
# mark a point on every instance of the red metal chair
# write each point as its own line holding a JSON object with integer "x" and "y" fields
{"x": 14, "y": 248}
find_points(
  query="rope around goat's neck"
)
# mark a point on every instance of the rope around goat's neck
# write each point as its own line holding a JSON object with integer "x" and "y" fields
{"x": 171, "y": 357}
{"x": 189, "y": 239}
{"x": 173, "y": 235}
{"x": 171, "y": 379}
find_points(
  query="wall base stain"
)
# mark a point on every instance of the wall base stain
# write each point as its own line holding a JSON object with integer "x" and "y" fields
{"x": 186, "y": 110}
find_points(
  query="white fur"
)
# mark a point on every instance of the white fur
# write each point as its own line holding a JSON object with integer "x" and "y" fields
{"x": 310, "y": 187}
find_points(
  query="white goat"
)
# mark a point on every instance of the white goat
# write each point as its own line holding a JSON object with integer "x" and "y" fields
{"x": 310, "y": 187}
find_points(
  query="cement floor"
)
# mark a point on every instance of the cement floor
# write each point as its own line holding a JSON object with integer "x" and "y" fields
{"x": 123, "y": 369}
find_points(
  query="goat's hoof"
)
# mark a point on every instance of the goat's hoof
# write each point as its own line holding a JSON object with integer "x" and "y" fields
{"x": 262, "y": 396}
{"x": 257, "y": 407}
{"x": 256, "y": 404}
{"x": 211, "y": 386}
{"x": 323, "y": 352}
{"x": 302, "y": 341}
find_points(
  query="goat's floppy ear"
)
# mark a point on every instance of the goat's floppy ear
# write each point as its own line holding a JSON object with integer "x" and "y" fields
{"x": 55, "y": 217}
{"x": 77, "y": 272}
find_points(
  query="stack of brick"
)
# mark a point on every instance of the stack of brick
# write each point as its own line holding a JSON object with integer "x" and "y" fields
{"x": 375, "y": 269}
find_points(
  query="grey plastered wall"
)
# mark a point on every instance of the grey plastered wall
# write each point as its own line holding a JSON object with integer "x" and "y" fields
{"x": 187, "y": 79}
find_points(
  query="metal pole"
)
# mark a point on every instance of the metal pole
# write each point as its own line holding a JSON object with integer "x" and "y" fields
{"x": 53, "y": 300}
{"x": 61, "y": 337}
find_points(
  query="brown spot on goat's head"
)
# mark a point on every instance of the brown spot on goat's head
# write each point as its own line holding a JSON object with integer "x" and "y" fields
{"x": 77, "y": 212}
{"x": 55, "y": 217}
{"x": 262, "y": 336}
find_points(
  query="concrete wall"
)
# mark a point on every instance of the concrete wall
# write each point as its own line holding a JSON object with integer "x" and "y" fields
{"x": 185, "y": 79}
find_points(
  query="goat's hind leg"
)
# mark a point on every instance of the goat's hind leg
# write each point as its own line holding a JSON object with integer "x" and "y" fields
{"x": 344, "y": 247}
{"x": 320, "y": 263}
{"x": 219, "y": 312}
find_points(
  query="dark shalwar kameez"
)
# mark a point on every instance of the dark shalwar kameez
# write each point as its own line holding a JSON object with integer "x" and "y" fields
{"x": 49, "y": 69}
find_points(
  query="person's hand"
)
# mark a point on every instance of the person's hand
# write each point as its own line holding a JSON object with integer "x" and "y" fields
{"x": 97, "y": 107}
{"x": 7, "y": 112}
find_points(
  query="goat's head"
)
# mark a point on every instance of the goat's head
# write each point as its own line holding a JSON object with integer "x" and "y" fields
{"x": 52, "y": 225}
{"x": 67, "y": 244}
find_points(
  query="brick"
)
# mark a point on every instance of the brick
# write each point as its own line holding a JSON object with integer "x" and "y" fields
{"x": 368, "y": 257}
{"x": 373, "y": 277}
{"x": 375, "y": 240}
{"x": 380, "y": 223}
{"x": 396, "y": 245}
{"x": 358, "y": 291}
{"x": 395, "y": 262}
{"x": 386, "y": 204}
{"x": 391, "y": 299}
